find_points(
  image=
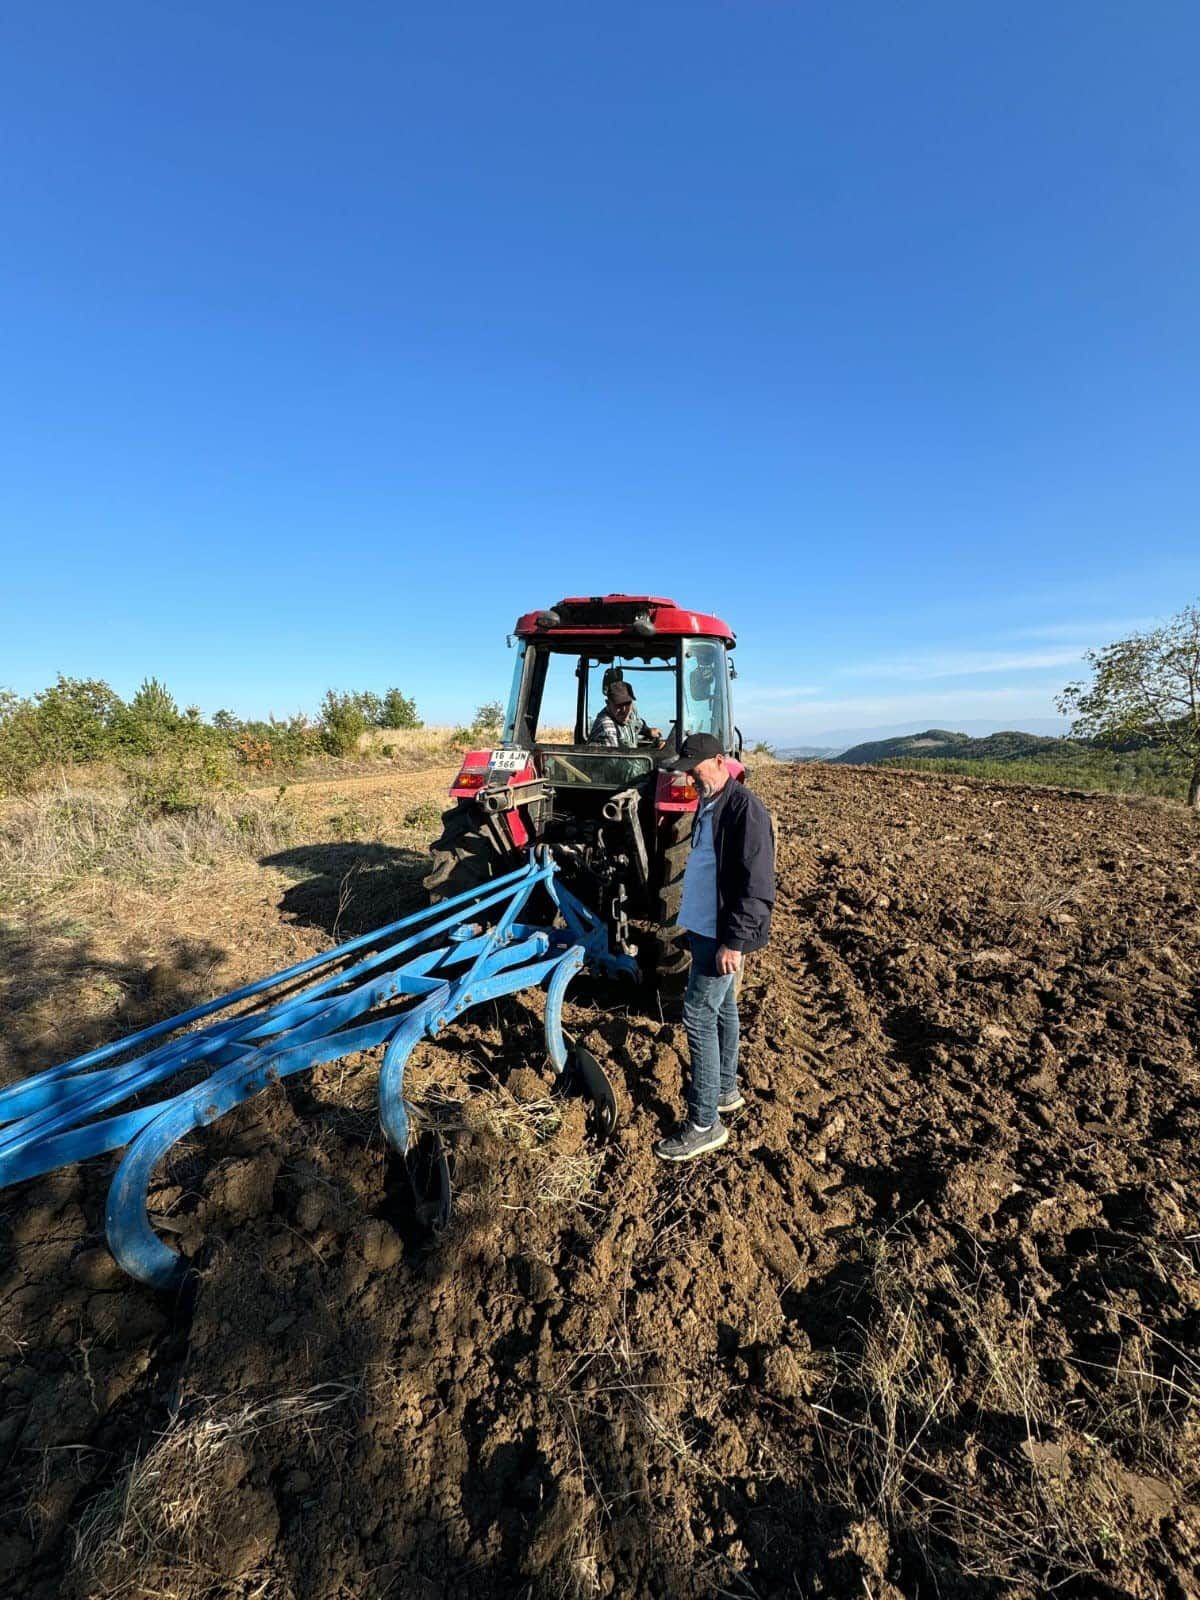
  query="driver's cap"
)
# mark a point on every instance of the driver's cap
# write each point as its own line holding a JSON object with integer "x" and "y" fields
{"x": 695, "y": 748}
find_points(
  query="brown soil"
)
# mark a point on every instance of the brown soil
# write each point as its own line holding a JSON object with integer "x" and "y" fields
{"x": 930, "y": 1324}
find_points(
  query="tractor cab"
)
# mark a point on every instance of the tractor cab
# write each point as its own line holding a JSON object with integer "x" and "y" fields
{"x": 675, "y": 663}
{"x": 616, "y": 818}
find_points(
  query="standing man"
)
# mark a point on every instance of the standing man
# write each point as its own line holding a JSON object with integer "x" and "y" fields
{"x": 619, "y": 725}
{"x": 728, "y": 893}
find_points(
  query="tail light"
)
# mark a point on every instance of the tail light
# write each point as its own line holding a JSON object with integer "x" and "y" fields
{"x": 683, "y": 788}
{"x": 470, "y": 778}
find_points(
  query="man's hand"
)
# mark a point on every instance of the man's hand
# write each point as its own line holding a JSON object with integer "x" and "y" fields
{"x": 728, "y": 961}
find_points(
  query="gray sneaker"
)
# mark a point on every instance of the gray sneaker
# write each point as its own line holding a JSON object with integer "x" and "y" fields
{"x": 733, "y": 1101}
{"x": 692, "y": 1141}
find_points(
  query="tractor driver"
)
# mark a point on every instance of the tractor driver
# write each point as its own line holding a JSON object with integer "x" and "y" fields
{"x": 619, "y": 725}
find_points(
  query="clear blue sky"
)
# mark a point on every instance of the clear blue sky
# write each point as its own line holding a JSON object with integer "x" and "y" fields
{"x": 334, "y": 336}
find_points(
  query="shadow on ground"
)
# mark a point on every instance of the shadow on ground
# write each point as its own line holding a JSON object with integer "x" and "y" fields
{"x": 60, "y": 995}
{"x": 348, "y": 888}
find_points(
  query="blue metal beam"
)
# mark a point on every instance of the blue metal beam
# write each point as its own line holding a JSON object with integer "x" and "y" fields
{"x": 423, "y": 970}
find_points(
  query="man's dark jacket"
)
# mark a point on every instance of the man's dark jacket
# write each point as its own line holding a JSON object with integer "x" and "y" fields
{"x": 744, "y": 843}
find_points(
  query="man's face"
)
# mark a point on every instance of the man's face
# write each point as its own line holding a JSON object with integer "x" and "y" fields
{"x": 710, "y": 773}
{"x": 621, "y": 712}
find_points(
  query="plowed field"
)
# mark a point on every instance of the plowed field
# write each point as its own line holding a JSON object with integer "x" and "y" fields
{"x": 928, "y": 1325}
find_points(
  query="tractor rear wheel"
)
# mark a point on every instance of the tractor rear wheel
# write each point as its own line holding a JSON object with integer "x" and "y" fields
{"x": 669, "y": 947}
{"x": 464, "y": 857}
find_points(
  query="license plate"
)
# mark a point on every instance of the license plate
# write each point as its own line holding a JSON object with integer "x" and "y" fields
{"x": 508, "y": 761}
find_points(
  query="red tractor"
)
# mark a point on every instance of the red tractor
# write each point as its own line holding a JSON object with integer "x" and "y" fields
{"x": 617, "y": 820}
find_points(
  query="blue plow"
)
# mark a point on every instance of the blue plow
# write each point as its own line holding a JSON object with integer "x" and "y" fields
{"x": 393, "y": 987}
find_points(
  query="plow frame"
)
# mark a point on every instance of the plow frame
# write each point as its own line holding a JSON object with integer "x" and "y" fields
{"x": 418, "y": 975}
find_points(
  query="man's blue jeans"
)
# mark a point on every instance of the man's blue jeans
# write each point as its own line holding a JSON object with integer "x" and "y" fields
{"x": 711, "y": 1018}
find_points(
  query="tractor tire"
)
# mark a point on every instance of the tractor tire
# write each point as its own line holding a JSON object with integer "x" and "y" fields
{"x": 464, "y": 857}
{"x": 669, "y": 953}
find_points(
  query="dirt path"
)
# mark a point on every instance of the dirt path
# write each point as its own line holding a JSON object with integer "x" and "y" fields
{"x": 413, "y": 784}
{"x": 930, "y": 1323}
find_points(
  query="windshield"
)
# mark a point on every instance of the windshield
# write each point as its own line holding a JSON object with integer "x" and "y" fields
{"x": 559, "y": 692}
{"x": 652, "y": 684}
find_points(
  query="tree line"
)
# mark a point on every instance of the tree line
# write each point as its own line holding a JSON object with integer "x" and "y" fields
{"x": 81, "y": 720}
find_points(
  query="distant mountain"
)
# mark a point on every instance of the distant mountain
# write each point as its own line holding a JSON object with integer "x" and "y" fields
{"x": 942, "y": 744}
{"x": 809, "y": 752}
{"x": 808, "y": 737}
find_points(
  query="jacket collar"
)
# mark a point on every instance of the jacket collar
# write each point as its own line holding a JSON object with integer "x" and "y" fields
{"x": 719, "y": 803}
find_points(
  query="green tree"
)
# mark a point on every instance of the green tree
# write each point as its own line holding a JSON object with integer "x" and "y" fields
{"x": 74, "y": 719}
{"x": 1145, "y": 689}
{"x": 154, "y": 702}
{"x": 399, "y": 711}
{"x": 225, "y": 721}
{"x": 148, "y": 723}
{"x": 343, "y": 721}
{"x": 489, "y": 718}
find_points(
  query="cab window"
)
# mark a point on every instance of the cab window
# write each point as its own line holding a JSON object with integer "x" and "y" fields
{"x": 706, "y": 690}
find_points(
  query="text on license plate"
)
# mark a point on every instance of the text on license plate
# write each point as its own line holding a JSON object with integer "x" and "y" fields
{"x": 508, "y": 761}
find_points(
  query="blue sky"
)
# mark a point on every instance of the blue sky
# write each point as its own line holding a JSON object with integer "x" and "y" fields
{"x": 334, "y": 337}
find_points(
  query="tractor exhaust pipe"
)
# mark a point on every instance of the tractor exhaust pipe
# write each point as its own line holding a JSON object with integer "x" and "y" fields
{"x": 623, "y": 807}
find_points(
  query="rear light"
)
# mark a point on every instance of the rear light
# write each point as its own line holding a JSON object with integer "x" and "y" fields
{"x": 682, "y": 787}
{"x": 470, "y": 778}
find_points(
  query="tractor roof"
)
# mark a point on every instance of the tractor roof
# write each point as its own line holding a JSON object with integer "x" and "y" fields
{"x": 605, "y": 615}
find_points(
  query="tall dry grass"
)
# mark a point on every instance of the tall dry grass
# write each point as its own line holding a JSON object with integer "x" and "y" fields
{"x": 432, "y": 744}
{"x": 437, "y": 744}
{"x": 54, "y": 836}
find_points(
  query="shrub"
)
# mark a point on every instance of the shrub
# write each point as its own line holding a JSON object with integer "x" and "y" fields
{"x": 180, "y": 779}
{"x": 274, "y": 746}
{"x": 344, "y": 720}
{"x": 71, "y": 722}
{"x": 399, "y": 711}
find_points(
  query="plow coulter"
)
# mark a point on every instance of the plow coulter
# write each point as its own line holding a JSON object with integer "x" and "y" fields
{"x": 393, "y": 987}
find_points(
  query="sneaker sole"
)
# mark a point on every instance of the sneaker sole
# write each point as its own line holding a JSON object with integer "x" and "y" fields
{"x": 714, "y": 1143}
{"x": 726, "y": 1106}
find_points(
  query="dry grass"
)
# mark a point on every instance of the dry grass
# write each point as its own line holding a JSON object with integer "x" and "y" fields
{"x": 57, "y": 835}
{"x": 413, "y": 746}
{"x": 553, "y": 1175}
{"x": 165, "y": 1527}
{"x": 1046, "y": 1491}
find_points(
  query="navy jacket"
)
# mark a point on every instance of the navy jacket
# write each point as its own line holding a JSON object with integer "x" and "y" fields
{"x": 744, "y": 843}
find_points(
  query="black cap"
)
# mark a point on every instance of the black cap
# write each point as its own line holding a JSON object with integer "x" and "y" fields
{"x": 619, "y": 693}
{"x": 695, "y": 748}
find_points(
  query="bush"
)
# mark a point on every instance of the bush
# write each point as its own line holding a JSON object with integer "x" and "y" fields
{"x": 399, "y": 711}
{"x": 344, "y": 719}
{"x": 274, "y": 746}
{"x": 179, "y": 780}
{"x": 71, "y": 722}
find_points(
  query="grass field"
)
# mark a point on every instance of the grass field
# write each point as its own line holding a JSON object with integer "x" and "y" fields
{"x": 1138, "y": 772}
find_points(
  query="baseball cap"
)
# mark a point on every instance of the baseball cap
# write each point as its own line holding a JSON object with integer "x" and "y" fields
{"x": 695, "y": 748}
{"x": 620, "y": 694}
